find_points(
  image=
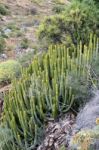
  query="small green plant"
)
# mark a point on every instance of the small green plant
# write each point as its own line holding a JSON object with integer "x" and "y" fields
{"x": 12, "y": 26}
{"x": 8, "y": 70}
{"x": 62, "y": 148}
{"x": 94, "y": 1}
{"x": 85, "y": 139}
{"x": 38, "y": 2}
{"x": 4, "y": 9}
{"x": 25, "y": 43}
{"x": 2, "y": 44}
{"x": 19, "y": 33}
{"x": 58, "y": 8}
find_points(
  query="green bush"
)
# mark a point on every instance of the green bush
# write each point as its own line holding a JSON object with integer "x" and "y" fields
{"x": 71, "y": 26}
{"x": 58, "y": 8}
{"x": 86, "y": 139}
{"x": 25, "y": 43}
{"x": 12, "y": 26}
{"x": 8, "y": 70}
{"x": 2, "y": 44}
{"x": 46, "y": 90}
{"x": 3, "y": 10}
{"x": 91, "y": 1}
{"x": 97, "y": 2}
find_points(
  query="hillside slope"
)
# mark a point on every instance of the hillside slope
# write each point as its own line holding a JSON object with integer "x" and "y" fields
{"x": 22, "y": 22}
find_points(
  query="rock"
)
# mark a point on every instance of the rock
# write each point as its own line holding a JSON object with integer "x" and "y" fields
{"x": 86, "y": 118}
{"x": 23, "y": 28}
{"x": 33, "y": 10}
{"x": 36, "y": 23}
{"x": 4, "y": 18}
{"x": 29, "y": 50}
{"x": 3, "y": 57}
{"x": 7, "y": 31}
{"x": 86, "y": 125}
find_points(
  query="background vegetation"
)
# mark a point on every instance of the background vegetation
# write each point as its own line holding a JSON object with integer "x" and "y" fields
{"x": 2, "y": 44}
{"x": 8, "y": 70}
{"x": 71, "y": 25}
{"x": 4, "y": 10}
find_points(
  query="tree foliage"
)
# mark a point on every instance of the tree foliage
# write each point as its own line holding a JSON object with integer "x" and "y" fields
{"x": 72, "y": 25}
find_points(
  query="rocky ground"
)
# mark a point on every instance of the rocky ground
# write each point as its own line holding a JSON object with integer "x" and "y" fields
{"x": 22, "y": 22}
{"x": 58, "y": 132}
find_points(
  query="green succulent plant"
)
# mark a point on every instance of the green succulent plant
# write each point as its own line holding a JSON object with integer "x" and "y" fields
{"x": 44, "y": 91}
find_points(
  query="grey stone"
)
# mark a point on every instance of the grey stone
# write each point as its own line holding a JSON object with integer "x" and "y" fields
{"x": 3, "y": 56}
{"x": 7, "y": 31}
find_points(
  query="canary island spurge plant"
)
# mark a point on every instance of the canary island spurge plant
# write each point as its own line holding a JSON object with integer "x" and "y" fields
{"x": 44, "y": 91}
{"x": 6, "y": 138}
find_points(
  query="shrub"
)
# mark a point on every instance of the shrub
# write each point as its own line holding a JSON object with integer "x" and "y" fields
{"x": 2, "y": 44}
{"x": 58, "y": 8}
{"x": 8, "y": 70}
{"x": 71, "y": 26}
{"x": 87, "y": 139}
{"x": 63, "y": 148}
{"x": 25, "y": 43}
{"x": 12, "y": 26}
{"x": 3, "y": 10}
{"x": 97, "y": 2}
{"x": 44, "y": 91}
{"x": 90, "y": 1}
{"x": 59, "y": 2}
